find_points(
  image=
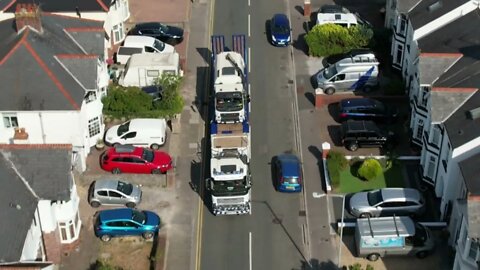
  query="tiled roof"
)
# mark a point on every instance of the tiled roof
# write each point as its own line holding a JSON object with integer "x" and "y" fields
{"x": 60, "y": 5}
{"x": 429, "y": 10}
{"x": 444, "y": 103}
{"x": 459, "y": 127}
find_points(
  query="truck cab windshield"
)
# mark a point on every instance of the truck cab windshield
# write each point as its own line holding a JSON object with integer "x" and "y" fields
{"x": 229, "y": 101}
{"x": 229, "y": 188}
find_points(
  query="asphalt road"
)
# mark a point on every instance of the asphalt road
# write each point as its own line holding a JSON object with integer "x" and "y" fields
{"x": 271, "y": 237}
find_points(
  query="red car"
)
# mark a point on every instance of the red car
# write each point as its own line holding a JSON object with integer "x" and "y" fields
{"x": 130, "y": 159}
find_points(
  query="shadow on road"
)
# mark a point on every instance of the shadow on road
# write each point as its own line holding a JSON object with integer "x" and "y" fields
{"x": 314, "y": 264}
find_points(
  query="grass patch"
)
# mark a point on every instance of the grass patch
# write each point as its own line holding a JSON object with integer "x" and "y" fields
{"x": 350, "y": 183}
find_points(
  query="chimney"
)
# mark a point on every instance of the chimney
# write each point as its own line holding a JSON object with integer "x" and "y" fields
{"x": 28, "y": 15}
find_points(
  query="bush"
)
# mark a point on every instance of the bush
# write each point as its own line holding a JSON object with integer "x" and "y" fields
{"x": 103, "y": 265}
{"x": 328, "y": 39}
{"x": 370, "y": 169}
{"x": 131, "y": 102}
{"x": 336, "y": 162}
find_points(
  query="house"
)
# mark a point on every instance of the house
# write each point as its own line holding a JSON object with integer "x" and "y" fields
{"x": 53, "y": 76}
{"x": 435, "y": 45}
{"x": 113, "y": 13}
{"x": 39, "y": 205}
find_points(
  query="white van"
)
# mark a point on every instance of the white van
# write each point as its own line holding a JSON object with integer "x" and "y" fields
{"x": 144, "y": 132}
{"x": 141, "y": 44}
{"x": 143, "y": 69}
{"x": 348, "y": 77}
{"x": 343, "y": 19}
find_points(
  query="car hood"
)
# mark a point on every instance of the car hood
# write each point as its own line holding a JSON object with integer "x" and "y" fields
{"x": 359, "y": 201}
{"x": 175, "y": 32}
{"x": 281, "y": 36}
{"x": 168, "y": 48}
{"x": 111, "y": 134}
{"x": 161, "y": 158}
{"x": 152, "y": 218}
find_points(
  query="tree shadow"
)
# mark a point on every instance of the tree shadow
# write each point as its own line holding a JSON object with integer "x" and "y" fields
{"x": 300, "y": 44}
{"x": 202, "y": 92}
{"x": 315, "y": 264}
{"x": 299, "y": 9}
{"x": 310, "y": 97}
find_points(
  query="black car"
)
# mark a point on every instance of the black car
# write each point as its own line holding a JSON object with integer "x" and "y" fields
{"x": 166, "y": 33}
{"x": 364, "y": 134}
{"x": 366, "y": 109}
{"x": 155, "y": 91}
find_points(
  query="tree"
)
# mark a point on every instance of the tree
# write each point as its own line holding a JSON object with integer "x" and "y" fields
{"x": 370, "y": 169}
{"x": 172, "y": 100}
{"x": 328, "y": 39}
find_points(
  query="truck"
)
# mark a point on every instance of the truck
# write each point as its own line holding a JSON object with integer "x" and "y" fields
{"x": 230, "y": 180}
{"x": 230, "y": 95}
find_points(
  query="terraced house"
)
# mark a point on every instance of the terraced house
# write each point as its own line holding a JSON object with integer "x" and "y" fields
{"x": 436, "y": 46}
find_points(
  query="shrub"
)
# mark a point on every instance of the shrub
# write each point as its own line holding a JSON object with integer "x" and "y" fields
{"x": 328, "y": 39}
{"x": 103, "y": 265}
{"x": 370, "y": 169}
{"x": 356, "y": 266}
{"x": 336, "y": 162}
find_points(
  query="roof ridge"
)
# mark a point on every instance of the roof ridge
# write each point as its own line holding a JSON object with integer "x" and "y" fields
{"x": 454, "y": 89}
{"x": 441, "y": 54}
{"x": 44, "y": 13}
{"x": 36, "y": 146}
{"x": 20, "y": 42}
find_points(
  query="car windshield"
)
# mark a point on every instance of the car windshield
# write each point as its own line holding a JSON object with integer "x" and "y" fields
{"x": 159, "y": 45}
{"x": 374, "y": 197}
{"x": 329, "y": 72}
{"x": 291, "y": 180}
{"x": 139, "y": 216}
{"x": 123, "y": 128}
{"x": 125, "y": 188}
{"x": 229, "y": 101}
{"x": 280, "y": 29}
{"x": 148, "y": 155}
{"x": 230, "y": 188}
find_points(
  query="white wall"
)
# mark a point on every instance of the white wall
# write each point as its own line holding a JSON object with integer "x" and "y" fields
{"x": 33, "y": 241}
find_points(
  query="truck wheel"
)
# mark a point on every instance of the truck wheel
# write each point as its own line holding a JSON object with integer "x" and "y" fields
{"x": 365, "y": 215}
{"x": 105, "y": 238}
{"x": 155, "y": 146}
{"x": 147, "y": 235}
{"x": 329, "y": 91}
{"x": 95, "y": 204}
{"x": 373, "y": 257}
{"x": 422, "y": 254}
{"x": 353, "y": 146}
{"x": 116, "y": 171}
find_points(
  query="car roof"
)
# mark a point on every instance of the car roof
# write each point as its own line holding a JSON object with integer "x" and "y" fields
{"x": 106, "y": 184}
{"x": 357, "y": 102}
{"x": 112, "y": 214}
{"x": 290, "y": 164}
{"x": 281, "y": 19}
{"x": 358, "y": 125}
{"x": 401, "y": 194}
{"x": 151, "y": 89}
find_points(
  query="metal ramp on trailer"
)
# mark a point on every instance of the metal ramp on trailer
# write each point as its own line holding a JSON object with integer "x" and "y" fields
{"x": 238, "y": 45}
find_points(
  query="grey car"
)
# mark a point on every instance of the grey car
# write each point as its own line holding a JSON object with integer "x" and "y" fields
{"x": 114, "y": 192}
{"x": 387, "y": 202}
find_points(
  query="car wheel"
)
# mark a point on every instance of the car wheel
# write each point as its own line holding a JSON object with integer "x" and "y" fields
{"x": 94, "y": 204}
{"x": 105, "y": 238}
{"x": 130, "y": 205}
{"x": 365, "y": 215}
{"x": 147, "y": 235}
{"x": 422, "y": 254}
{"x": 329, "y": 91}
{"x": 373, "y": 257}
{"x": 155, "y": 146}
{"x": 116, "y": 171}
{"x": 353, "y": 146}
{"x": 156, "y": 171}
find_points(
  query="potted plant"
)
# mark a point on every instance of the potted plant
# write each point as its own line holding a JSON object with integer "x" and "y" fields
{"x": 100, "y": 144}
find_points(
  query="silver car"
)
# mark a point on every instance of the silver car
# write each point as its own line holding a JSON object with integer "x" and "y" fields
{"x": 114, "y": 192}
{"x": 387, "y": 202}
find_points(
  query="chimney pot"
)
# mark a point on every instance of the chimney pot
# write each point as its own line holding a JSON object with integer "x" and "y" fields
{"x": 28, "y": 15}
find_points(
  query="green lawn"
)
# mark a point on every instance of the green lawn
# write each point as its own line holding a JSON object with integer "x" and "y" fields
{"x": 393, "y": 177}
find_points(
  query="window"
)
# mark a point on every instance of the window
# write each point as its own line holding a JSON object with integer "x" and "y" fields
{"x": 472, "y": 253}
{"x": 402, "y": 25}
{"x": 115, "y": 194}
{"x": 149, "y": 49}
{"x": 93, "y": 127}
{"x": 431, "y": 167}
{"x": 10, "y": 120}
{"x": 436, "y": 135}
{"x": 117, "y": 32}
{"x": 398, "y": 58}
{"x": 153, "y": 73}
{"x": 68, "y": 229}
{"x": 419, "y": 133}
{"x": 102, "y": 193}
{"x": 90, "y": 96}
{"x": 425, "y": 95}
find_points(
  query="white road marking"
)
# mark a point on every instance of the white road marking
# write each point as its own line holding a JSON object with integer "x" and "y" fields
{"x": 248, "y": 2}
{"x": 249, "y": 57}
{"x": 248, "y": 25}
{"x": 250, "y": 249}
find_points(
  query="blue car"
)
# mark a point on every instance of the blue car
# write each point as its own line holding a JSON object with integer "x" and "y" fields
{"x": 280, "y": 30}
{"x": 288, "y": 171}
{"x": 125, "y": 222}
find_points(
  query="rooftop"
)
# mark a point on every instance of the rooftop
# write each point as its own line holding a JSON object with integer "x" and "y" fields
{"x": 428, "y": 10}
{"x": 60, "y": 6}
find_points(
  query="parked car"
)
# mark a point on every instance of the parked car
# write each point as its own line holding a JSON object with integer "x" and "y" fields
{"x": 333, "y": 9}
{"x": 280, "y": 31}
{"x": 130, "y": 159}
{"x": 387, "y": 202}
{"x": 352, "y": 56}
{"x": 163, "y": 32}
{"x": 125, "y": 222}
{"x": 145, "y": 132}
{"x": 113, "y": 192}
{"x": 288, "y": 173}
{"x": 366, "y": 109}
{"x": 364, "y": 134}
{"x": 155, "y": 91}
{"x": 141, "y": 44}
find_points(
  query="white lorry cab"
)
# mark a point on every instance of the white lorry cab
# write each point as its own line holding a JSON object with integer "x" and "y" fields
{"x": 378, "y": 237}
{"x": 143, "y": 132}
{"x": 141, "y": 44}
{"x": 143, "y": 69}
{"x": 348, "y": 77}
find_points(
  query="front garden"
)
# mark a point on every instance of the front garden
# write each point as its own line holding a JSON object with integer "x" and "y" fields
{"x": 349, "y": 176}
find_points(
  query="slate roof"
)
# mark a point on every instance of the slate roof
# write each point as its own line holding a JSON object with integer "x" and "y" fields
{"x": 433, "y": 65}
{"x": 470, "y": 209}
{"x": 58, "y": 65}
{"x": 59, "y": 5}
{"x": 404, "y": 6}
{"x": 429, "y": 10}
{"x": 444, "y": 103}
{"x": 460, "y": 129}
{"x": 470, "y": 170}
{"x": 17, "y": 208}
{"x": 46, "y": 168}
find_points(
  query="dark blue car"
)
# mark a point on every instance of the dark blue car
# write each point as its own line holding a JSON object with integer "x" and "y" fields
{"x": 125, "y": 222}
{"x": 280, "y": 32}
{"x": 288, "y": 173}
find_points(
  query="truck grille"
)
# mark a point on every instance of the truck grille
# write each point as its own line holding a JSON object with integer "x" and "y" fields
{"x": 230, "y": 117}
{"x": 230, "y": 201}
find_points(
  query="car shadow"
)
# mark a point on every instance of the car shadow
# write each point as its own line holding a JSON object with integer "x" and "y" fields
{"x": 334, "y": 111}
{"x": 310, "y": 97}
{"x": 268, "y": 33}
{"x": 334, "y": 131}
{"x": 273, "y": 172}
